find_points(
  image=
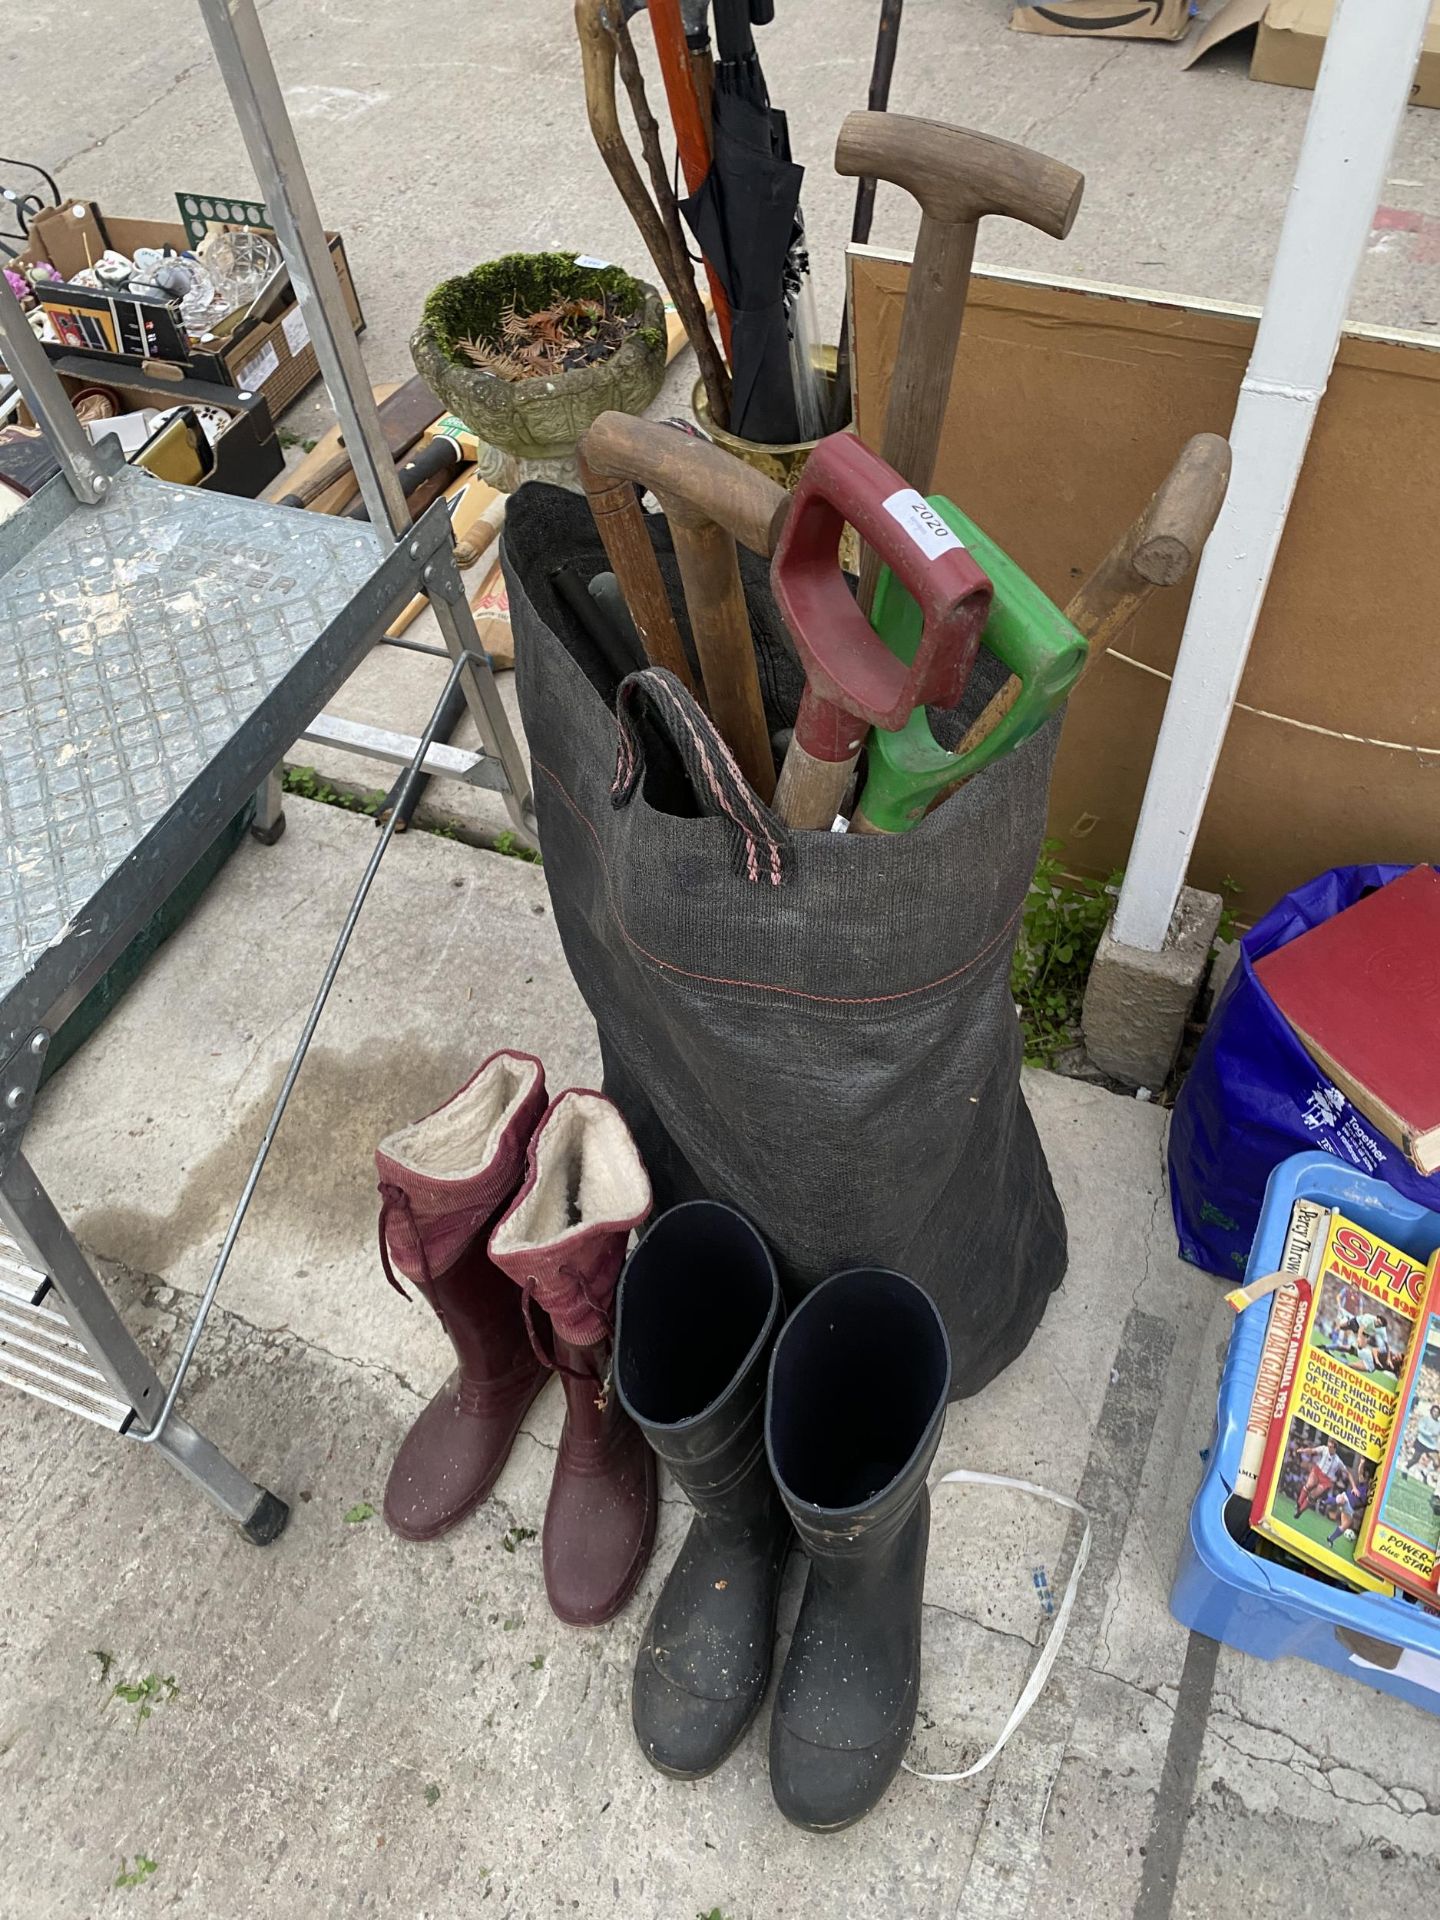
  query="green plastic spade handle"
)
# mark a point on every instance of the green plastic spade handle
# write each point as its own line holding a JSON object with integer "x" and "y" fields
{"x": 1026, "y": 631}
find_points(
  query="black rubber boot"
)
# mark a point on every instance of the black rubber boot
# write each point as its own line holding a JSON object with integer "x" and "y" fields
{"x": 699, "y": 1308}
{"x": 858, "y": 1384}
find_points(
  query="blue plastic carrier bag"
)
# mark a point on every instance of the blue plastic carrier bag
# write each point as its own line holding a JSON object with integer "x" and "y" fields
{"x": 1254, "y": 1096}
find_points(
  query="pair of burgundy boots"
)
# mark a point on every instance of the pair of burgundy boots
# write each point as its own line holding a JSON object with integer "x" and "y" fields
{"x": 511, "y": 1217}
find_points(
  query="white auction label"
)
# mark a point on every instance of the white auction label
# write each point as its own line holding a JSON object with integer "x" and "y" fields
{"x": 258, "y": 368}
{"x": 913, "y": 512}
{"x": 297, "y": 334}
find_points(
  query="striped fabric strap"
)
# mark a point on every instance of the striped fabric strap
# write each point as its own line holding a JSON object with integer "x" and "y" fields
{"x": 763, "y": 849}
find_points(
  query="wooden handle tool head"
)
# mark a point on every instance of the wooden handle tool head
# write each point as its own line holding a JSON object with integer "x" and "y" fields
{"x": 959, "y": 176}
{"x": 696, "y": 482}
{"x": 1161, "y": 547}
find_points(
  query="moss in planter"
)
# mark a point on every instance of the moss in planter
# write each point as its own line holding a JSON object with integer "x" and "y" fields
{"x": 471, "y": 306}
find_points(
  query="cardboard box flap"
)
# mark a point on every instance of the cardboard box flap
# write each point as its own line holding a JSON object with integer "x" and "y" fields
{"x": 1234, "y": 17}
{"x": 1314, "y": 17}
{"x": 1310, "y": 18}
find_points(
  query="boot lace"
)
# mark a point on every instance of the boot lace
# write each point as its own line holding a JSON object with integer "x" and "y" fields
{"x": 394, "y": 1200}
{"x": 552, "y": 1359}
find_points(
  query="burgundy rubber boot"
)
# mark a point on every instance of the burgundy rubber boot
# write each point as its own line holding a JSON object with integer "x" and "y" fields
{"x": 442, "y": 1182}
{"x": 563, "y": 1242}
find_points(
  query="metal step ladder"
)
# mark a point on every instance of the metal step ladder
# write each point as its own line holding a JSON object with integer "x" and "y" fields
{"x": 164, "y": 649}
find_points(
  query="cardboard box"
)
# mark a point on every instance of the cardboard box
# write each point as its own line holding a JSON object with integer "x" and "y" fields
{"x": 272, "y": 357}
{"x": 248, "y": 456}
{"x": 1106, "y": 19}
{"x": 1290, "y": 42}
{"x": 1069, "y": 406}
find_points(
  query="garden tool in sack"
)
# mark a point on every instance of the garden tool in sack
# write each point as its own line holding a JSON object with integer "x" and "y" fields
{"x": 814, "y": 1031}
{"x": 908, "y": 770}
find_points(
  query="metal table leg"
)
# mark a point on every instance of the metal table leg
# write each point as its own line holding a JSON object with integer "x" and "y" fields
{"x": 269, "y": 821}
{"x": 477, "y": 683}
{"x": 44, "y": 1368}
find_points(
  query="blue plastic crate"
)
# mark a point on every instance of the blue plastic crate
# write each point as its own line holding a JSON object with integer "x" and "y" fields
{"x": 1253, "y": 1604}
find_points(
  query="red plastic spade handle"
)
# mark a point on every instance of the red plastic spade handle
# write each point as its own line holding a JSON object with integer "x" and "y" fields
{"x": 848, "y": 665}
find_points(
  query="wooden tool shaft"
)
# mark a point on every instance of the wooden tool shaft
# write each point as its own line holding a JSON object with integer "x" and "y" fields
{"x": 924, "y": 362}
{"x": 957, "y": 174}
{"x": 720, "y": 622}
{"x": 714, "y": 372}
{"x": 693, "y": 476}
{"x": 811, "y": 792}
{"x": 598, "y": 57}
{"x": 621, "y": 523}
{"x": 1159, "y": 549}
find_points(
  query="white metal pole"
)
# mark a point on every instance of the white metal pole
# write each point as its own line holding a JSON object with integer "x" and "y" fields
{"x": 1360, "y": 97}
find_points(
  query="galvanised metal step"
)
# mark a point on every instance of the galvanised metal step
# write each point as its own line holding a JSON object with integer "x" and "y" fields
{"x": 39, "y": 1353}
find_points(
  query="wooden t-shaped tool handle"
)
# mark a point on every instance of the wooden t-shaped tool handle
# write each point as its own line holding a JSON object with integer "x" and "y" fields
{"x": 958, "y": 177}
{"x": 711, "y": 500}
{"x": 1158, "y": 550}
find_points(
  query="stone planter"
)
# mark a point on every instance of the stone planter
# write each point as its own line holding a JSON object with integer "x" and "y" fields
{"x": 535, "y": 424}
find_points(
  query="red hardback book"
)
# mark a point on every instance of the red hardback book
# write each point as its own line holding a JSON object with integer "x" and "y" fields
{"x": 1362, "y": 993}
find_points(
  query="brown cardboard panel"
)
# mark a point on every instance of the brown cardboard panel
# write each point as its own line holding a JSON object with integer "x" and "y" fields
{"x": 1105, "y": 19}
{"x": 1291, "y": 43}
{"x": 1068, "y": 407}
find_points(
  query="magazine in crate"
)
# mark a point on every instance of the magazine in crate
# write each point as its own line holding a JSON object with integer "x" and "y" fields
{"x": 1401, "y": 1527}
{"x": 1337, "y": 1400}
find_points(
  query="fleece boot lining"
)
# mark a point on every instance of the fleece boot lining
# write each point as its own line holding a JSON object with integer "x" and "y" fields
{"x": 459, "y": 1140}
{"x": 587, "y": 1174}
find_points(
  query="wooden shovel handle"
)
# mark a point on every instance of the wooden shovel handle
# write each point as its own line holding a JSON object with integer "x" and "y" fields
{"x": 811, "y": 792}
{"x": 621, "y": 524}
{"x": 697, "y": 481}
{"x": 1157, "y": 550}
{"x": 720, "y": 622}
{"x": 959, "y": 176}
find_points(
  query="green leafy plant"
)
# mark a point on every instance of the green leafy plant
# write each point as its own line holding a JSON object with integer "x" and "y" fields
{"x": 307, "y": 784}
{"x": 537, "y": 1664}
{"x": 514, "y": 848}
{"x": 511, "y": 1621}
{"x": 357, "y": 1515}
{"x": 137, "y": 1875}
{"x": 1060, "y": 929}
{"x": 145, "y": 1695}
{"x": 1229, "y": 927}
{"x": 516, "y": 1536}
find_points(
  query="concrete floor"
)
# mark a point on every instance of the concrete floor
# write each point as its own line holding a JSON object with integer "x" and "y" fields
{"x": 330, "y": 1686}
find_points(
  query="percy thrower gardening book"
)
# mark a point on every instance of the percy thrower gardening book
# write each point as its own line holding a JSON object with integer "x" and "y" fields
{"x": 1337, "y": 1402}
{"x": 1401, "y": 1527}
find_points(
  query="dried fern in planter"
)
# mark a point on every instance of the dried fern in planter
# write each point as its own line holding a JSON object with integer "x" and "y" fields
{"x": 531, "y": 387}
{"x": 556, "y": 339}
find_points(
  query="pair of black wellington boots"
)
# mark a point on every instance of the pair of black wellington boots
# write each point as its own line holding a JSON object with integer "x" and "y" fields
{"x": 820, "y": 1427}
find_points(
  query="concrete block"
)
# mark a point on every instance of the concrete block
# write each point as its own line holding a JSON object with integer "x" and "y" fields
{"x": 1136, "y": 1003}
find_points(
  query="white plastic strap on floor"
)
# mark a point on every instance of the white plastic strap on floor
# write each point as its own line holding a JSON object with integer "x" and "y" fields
{"x": 1050, "y": 1653}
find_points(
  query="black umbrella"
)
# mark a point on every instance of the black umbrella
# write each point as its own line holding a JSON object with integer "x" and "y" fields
{"x": 745, "y": 218}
